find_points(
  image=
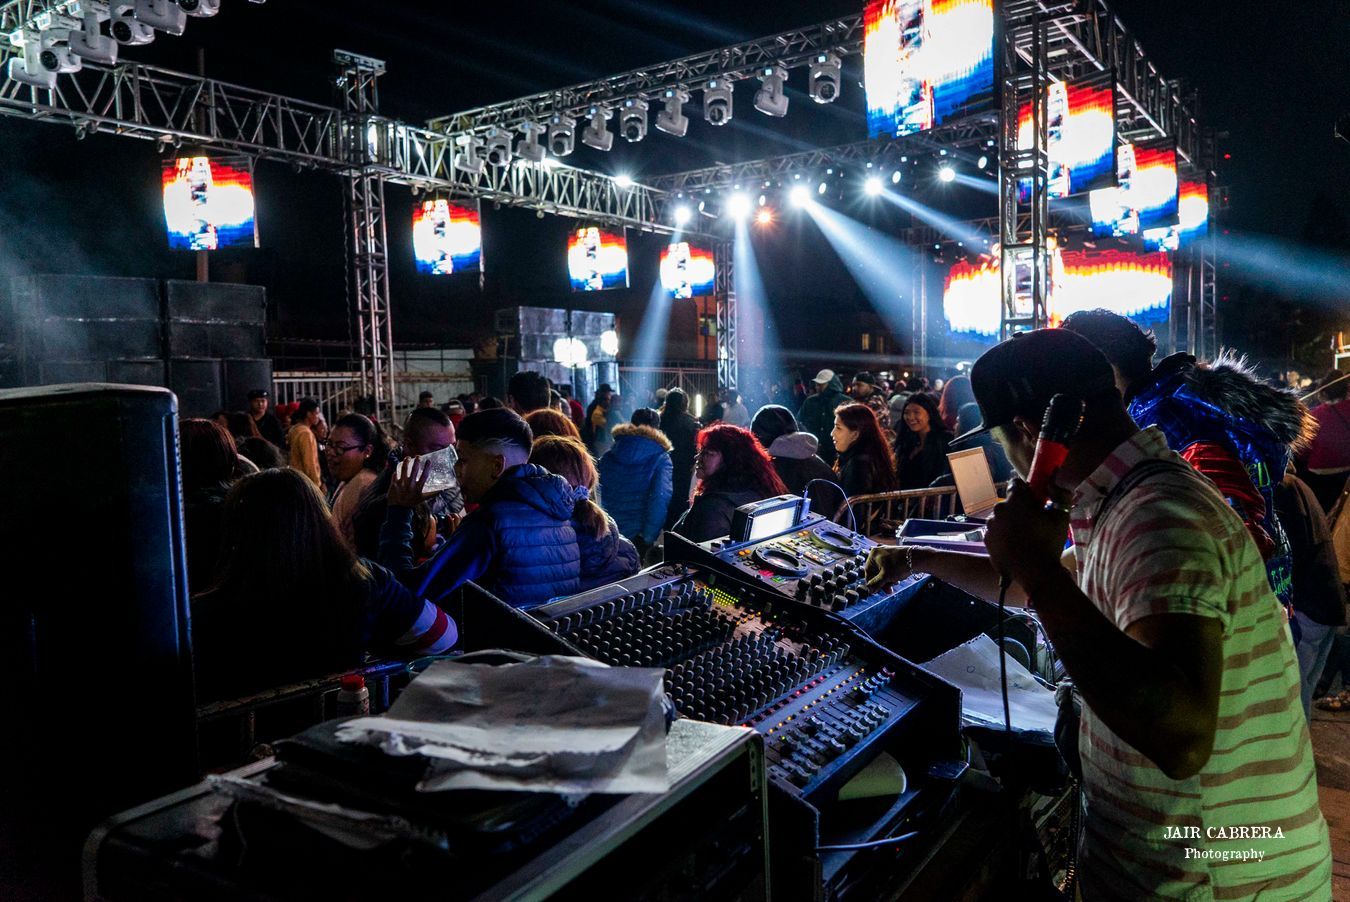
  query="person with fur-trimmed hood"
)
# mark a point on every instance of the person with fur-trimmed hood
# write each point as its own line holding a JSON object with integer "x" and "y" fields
{"x": 1232, "y": 427}
{"x": 635, "y": 478}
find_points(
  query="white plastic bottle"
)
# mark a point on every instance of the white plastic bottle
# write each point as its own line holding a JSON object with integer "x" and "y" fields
{"x": 353, "y": 698}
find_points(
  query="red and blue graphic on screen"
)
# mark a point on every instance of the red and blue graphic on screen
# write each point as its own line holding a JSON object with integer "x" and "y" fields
{"x": 597, "y": 259}
{"x": 1132, "y": 284}
{"x": 1192, "y": 218}
{"x": 447, "y": 238}
{"x": 1081, "y": 136}
{"x": 926, "y": 62}
{"x": 208, "y": 204}
{"x": 687, "y": 271}
{"x": 1145, "y": 196}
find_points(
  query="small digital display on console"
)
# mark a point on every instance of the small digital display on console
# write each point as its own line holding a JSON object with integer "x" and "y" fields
{"x": 771, "y": 523}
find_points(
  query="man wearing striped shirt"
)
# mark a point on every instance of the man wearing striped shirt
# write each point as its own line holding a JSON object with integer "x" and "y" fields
{"x": 1198, "y": 775}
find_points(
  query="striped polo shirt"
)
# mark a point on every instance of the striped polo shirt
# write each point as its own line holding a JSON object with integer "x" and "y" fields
{"x": 1248, "y": 824}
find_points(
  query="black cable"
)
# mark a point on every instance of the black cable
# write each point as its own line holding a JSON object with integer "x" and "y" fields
{"x": 806, "y": 493}
{"x": 874, "y": 844}
{"x": 1002, "y": 653}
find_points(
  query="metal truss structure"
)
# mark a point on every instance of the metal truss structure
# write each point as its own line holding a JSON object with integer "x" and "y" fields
{"x": 728, "y": 319}
{"x": 1040, "y": 40}
{"x": 788, "y": 49}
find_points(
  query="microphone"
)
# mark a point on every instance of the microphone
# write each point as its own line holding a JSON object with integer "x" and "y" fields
{"x": 1062, "y": 419}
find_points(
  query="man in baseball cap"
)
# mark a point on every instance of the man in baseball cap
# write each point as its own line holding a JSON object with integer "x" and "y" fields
{"x": 817, "y": 413}
{"x": 1169, "y": 628}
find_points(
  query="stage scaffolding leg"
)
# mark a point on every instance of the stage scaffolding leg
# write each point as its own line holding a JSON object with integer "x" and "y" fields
{"x": 727, "y": 316}
{"x": 365, "y": 143}
{"x": 1023, "y": 227}
{"x": 1208, "y": 326}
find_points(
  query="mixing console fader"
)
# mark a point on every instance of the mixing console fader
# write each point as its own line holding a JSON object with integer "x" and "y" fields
{"x": 820, "y": 695}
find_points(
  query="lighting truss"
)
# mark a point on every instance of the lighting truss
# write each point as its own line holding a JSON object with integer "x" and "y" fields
{"x": 880, "y": 152}
{"x": 789, "y": 49}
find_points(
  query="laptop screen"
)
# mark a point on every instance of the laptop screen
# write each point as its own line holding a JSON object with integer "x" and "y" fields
{"x": 974, "y": 481}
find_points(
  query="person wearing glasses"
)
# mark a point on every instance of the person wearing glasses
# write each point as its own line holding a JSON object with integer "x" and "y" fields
{"x": 355, "y": 453}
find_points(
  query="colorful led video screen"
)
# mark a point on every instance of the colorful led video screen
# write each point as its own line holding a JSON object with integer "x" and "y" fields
{"x": 1145, "y": 196}
{"x": 1081, "y": 136}
{"x": 208, "y": 204}
{"x": 1133, "y": 284}
{"x": 597, "y": 259}
{"x": 687, "y": 271}
{"x": 1192, "y": 218}
{"x": 447, "y": 238}
{"x": 926, "y": 62}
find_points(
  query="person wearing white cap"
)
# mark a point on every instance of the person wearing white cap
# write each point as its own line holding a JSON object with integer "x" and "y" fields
{"x": 817, "y": 413}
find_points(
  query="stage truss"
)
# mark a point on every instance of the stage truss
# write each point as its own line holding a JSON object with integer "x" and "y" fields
{"x": 1040, "y": 40}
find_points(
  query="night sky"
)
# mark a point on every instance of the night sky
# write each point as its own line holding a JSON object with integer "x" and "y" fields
{"x": 1273, "y": 76}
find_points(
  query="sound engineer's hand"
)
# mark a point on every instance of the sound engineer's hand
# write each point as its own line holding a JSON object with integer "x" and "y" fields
{"x": 1025, "y": 536}
{"x": 886, "y": 566}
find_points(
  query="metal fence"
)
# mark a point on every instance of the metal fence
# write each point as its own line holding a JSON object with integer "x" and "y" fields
{"x": 637, "y": 382}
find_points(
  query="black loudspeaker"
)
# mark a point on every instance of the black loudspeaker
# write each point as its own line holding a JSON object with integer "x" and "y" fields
{"x": 208, "y": 319}
{"x": 91, "y": 297}
{"x": 102, "y": 339}
{"x": 197, "y": 384}
{"x": 243, "y": 376}
{"x": 136, "y": 372}
{"x": 54, "y": 372}
{"x": 94, "y": 630}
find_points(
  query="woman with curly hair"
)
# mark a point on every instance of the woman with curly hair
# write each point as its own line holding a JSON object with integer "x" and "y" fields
{"x": 732, "y": 469}
{"x": 864, "y": 465}
{"x": 921, "y": 443}
{"x": 605, "y": 554}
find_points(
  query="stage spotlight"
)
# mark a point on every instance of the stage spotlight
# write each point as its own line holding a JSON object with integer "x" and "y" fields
{"x": 528, "y": 147}
{"x": 682, "y": 215}
{"x": 770, "y": 99}
{"x": 822, "y": 188}
{"x": 469, "y": 159}
{"x": 562, "y": 134}
{"x": 28, "y": 70}
{"x": 202, "y": 9}
{"x": 609, "y": 342}
{"x": 162, "y": 15}
{"x": 597, "y": 133}
{"x": 123, "y": 25}
{"x": 947, "y": 174}
{"x": 498, "y": 146}
{"x": 824, "y": 82}
{"x": 672, "y": 120}
{"x": 623, "y": 181}
{"x": 56, "y": 56}
{"x": 799, "y": 196}
{"x": 738, "y": 205}
{"x": 895, "y": 177}
{"x": 764, "y": 217}
{"x": 717, "y": 101}
{"x": 91, "y": 44}
{"x": 633, "y": 119}
{"x": 982, "y": 162}
{"x": 872, "y": 186}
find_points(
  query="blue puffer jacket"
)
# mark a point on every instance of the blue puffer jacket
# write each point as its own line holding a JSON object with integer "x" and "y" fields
{"x": 519, "y": 544}
{"x": 606, "y": 558}
{"x": 635, "y": 481}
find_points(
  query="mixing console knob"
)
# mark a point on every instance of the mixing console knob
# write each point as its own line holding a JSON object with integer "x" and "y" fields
{"x": 851, "y": 596}
{"x": 833, "y": 748}
{"x": 839, "y": 603}
{"x": 802, "y": 586}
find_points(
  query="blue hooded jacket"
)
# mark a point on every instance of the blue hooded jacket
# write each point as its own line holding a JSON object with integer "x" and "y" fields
{"x": 519, "y": 544}
{"x": 1223, "y": 403}
{"x": 604, "y": 559}
{"x": 635, "y": 481}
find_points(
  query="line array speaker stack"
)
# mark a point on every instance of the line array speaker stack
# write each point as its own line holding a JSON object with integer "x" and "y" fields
{"x": 204, "y": 341}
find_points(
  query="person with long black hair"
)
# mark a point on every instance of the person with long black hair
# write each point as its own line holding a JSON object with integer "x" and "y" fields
{"x": 291, "y": 600}
{"x": 921, "y": 443}
{"x": 355, "y": 453}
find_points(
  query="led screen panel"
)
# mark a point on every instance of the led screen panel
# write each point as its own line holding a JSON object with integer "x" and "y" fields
{"x": 1192, "y": 218}
{"x": 597, "y": 259}
{"x": 208, "y": 204}
{"x": 447, "y": 238}
{"x": 1132, "y": 284}
{"x": 1145, "y": 196}
{"x": 687, "y": 271}
{"x": 926, "y": 62}
{"x": 1080, "y": 133}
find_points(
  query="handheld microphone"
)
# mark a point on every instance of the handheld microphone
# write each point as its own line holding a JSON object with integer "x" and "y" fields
{"x": 1062, "y": 419}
